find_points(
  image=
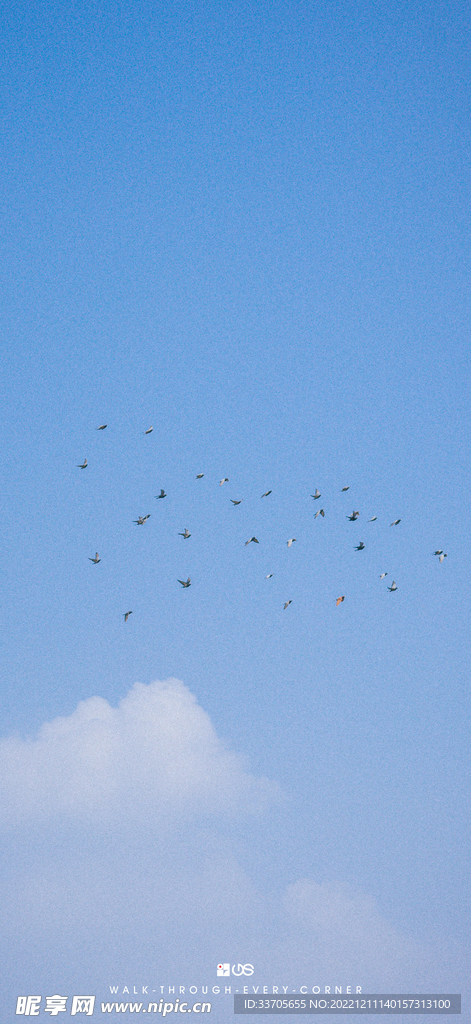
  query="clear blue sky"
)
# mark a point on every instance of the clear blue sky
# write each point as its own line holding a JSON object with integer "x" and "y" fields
{"x": 246, "y": 225}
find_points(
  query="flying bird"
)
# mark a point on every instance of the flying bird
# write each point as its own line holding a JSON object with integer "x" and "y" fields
{"x": 103, "y": 426}
{"x": 440, "y": 552}
{"x": 149, "y": 431}
{"x": 319, "y": 513}
{"x": 291, "y": 541}
{"x": 353, "y": 516}
{"x": 162, "y": 494}
{"x": 360, "y": 546}
{"x": 199, "y": 476}
{"x": 126, "y": 616}
{"x": 234, "y": 502}
{"x": 393, "y": 587}
{"x": 286, "y": 605}
{"x": 316, "y": 495}
{"x": 442, "y": 556}
{"x": 185, "y": 583}
{"x": 270, "y": 574}
{"x": 83, "y": 465}
{"x": 383, "y": 574}
{"x": 186, "y": 534}
{"x": 250, "y": 541}
{"x": 340, "y": 599}
{"x": 395, "y": 522}
{"x": 346, "y": 488}
{"x": 96, "y": 559}
{"x": 224, "y": 481}
{"x": 373, "y": 520}
{"x": 265, "y": 495}
{"x": 142, "y": 520}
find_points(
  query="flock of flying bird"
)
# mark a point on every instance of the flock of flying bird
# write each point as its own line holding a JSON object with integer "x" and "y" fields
{"x": 253, "y": 540}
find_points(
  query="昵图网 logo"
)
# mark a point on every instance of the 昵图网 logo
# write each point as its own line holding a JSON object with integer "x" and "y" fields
{"x": 224, "y": 970}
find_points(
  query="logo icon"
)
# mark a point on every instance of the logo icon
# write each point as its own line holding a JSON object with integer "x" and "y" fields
{"x": 224, "y": 971}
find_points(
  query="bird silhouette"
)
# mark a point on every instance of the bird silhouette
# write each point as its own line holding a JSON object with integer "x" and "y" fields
{"x": 234, "y": 502}
{"x": 319, "y": 513}
{"x": 270, "y": 574}
{"x": 393, "y": 586}
{"x": 199, "y": 476}
{"x": 142, "y": 519}
{"x": 383, "y": 574}
{"x": 225, "y": 480}
{"x": 360, "y": 546}
{"x": 265, "y": 495}
{"x": 96, "y": 559}
{"x": 186, "y": 534}
{"x": 83, "y": 465}
{"x": 291, "y": 541}
{"x": 395, "y": 522}
{"x": 250, "y": 541}
{"x": 346, "y": 488}
{"x": 162, "y": 494}
{"x": 126, "y": 616}
{"x": 149, "y": 431}
{"x": 286, "y": 604}
{"x": 103, "y": 426}
{"x": 353, "y": 516}
{"x": 185, "y": 583}
{"x": 316, "y": 495}
{"x": 442, "y": 556}
{"x": 340, "y": 599}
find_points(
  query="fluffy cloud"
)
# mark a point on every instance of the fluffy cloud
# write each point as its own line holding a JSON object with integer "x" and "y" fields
{"x": 157, "y": 750}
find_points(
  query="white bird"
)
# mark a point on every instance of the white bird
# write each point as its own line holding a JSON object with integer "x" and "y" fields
{"x": 250, "y": 541}
{"x": 286, "y": 604}
{"x": 291, "y": 541}
{"x": 162, "y": 494}
{"x": 270, "y": 574}
{"x": 360, "y": 546}
{"x": 373, "y": 520}
{"x": 186, "y": 534}
{"x": 442, "y": 556}
{"x": 142, "y": 520}
{"x": 224, "y": 481}
{"x": 199, "y": 476}
{"x": 265, "y": 495}
{"x": 103, "y": 426}
{"x": 340, "y": 599}
{"x": 96, "y": 559}
{"x": 83, "y": 465}
{"x": 393, "y": 587}
{"x": 353, "y": 516}
{"x": 383, "y": 574}
{"x": 316, "y": 495}
{"x": 395, "y": 522}
{"x": 149, "y": 431}
{"x": 126, "y": 616}
{"x": 319, "y": 513}
{"x": 234, "y": 502}
{"x": 184, "y": 583}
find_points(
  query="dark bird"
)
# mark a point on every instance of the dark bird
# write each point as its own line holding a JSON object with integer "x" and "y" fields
{"x": 395, "y": 522}
{"x": 265, "y": 495}
{"x": 162, "y": 494}
{"x": 353, "y": 516}
{"x": 440, "y": 552}
{"x": 250, "y": 541}
{"x": 270, "y": 574}
{"x": 346, "y": 488}
{"x": 96, "y": 559}
{"x": 83, "y": 465}
{"x": 142, "y": 520}
{"x": 103, "y": 426}
{"x": 126, "y": 616}
{"x": 185, "y": 583}
{"x": 186, "y": 534}
{"x": 286, "y": 604}
{"x": 316, "y": 495}
{"x": 319, "y": 513}
{"x": 373, "y": 519}
{"x": 199, "y": 476}
{"x": 149, "y": 431}
{"x": 234, "y": 502}
{"x": 360, "y": 546}
{"x": 393, "y": 587}
{"x": 340, "y": 599}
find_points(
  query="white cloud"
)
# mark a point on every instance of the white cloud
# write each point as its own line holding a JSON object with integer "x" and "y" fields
{"x": 157, "y": 751}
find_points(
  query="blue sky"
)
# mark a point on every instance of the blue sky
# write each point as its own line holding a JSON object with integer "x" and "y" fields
{"x": 247, "y": 226}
